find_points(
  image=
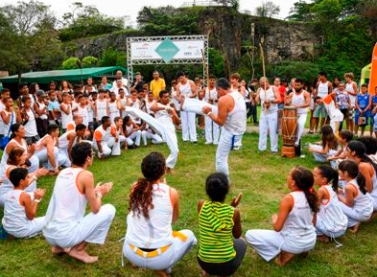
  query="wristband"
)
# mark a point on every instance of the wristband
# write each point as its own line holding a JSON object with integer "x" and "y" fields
{"x": 37, "y": 200}
{"x": 208, "y": 114}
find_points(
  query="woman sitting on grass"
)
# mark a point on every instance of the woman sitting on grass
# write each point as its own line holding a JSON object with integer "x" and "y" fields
{"x": 221, "y": 247}
{"x": 355, "y": 202}
{"x": 331, "y": 222}
{"x": 20, "y": 208}
{"x": 150, "y": 241}
{"x": 294, "y": 231}
{"x": 329, "y": 145}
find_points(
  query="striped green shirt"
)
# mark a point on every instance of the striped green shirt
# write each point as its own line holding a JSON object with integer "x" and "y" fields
{"x": 216, "y": 237}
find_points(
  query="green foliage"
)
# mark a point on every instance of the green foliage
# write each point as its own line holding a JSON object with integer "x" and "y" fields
{"x": 112, "y": 57}
{"x": 307, "y": 71}
{"x": 71, "y": 63}
{"x": 216, "y": 63}
{"x": 267, "y": 9}
{"x": 89, "y": 61}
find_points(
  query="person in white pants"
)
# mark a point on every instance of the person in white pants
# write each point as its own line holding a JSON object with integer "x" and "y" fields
{"x": 212, "y": 130}
{"x": 148, "y": 133}
{"x": 132, "y": 131}
{"x": 67, "y": 228}
{"x": 20, "y": 208}
{"x": 118, "y": 124}
{"x": 150, "y": 241}
{"x": 188, "y": 89}
{"x": 268, "y": 122}
{"x": 236, "y": 86}
{"x": 105, "y": 139}
{"x": 167, "y": 116}
{"x": 300, "y": 99}
{"x": 232, "y": 117}
{"x": 70, "y": 138}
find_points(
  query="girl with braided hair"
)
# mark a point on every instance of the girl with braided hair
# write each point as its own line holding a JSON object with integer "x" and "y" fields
{"x": 294, "y": 231}
{"x": 150, "y": 241}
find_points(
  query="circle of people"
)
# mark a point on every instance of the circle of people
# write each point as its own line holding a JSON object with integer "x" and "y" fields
{"x": 347, "y": 194}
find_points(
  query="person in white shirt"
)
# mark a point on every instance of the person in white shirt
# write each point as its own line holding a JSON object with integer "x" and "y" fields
{"x": 4, "y": 95}
{"x": 105, "y": 140}
{"x": 28, "y": 120}
{"x": 118, "y": 86}
{"x": 113, "y": 107}
{"x": 66, "y": 109}
{"x": 119, "y": 76}
{"x": 118, "y": 123}
{"x": 324, "y": 88}
{"x": 132, "y": 132}
{"x": 40, "y": 108}
{"x": 10, "y": 115}
{"x": 212, "y": 130}
{"x": 82, "y": 109}
{"x": 352, "y": 90}
{"x": 70, "y": 139}
{"x": 102, "y": 106}
{"x": 122, "y": 103}
{"x": 68, "y": 229}
{"x": 150, "y": 241}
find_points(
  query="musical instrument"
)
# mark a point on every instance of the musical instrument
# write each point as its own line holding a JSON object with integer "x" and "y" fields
{"x": 289, "y": 131}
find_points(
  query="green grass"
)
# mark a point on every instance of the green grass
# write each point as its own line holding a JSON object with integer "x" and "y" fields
{"x": 260, "y": 176}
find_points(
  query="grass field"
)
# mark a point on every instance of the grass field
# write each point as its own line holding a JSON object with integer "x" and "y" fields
{"x": 261, "y": 178}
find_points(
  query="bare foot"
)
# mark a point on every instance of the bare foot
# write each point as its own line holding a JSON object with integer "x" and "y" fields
{"x": 57, "y": 250}
{"x": 284, "y": 258}
{"x": 323, "y": 239}
{"x": 161, "y": 273}
{"x": 83, "y": 256}
{"x": 170, "y": 171}
{"x": 355, "y": 228}
{"x": 373, "y": 216}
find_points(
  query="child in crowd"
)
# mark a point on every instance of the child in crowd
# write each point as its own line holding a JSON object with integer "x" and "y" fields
{"x": 331, "y": 222}
{"x": 132, "y": 132}
{"x": 329, "y": 145}
{"x": 221, "y": 248}
{"x": 354, "y": 200}
{"x": 363, "y": 109}
{"x": 345, "y": 137}
{"x": 294, "y": 232}
{"x": 343, "y": 102}
{"x": 66, "y": 110}
{"x": 20, "y": 208}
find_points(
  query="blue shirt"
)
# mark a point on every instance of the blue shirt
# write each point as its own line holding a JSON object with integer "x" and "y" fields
{"x": 53, "y": 105}
{"x": 363, "y": 100}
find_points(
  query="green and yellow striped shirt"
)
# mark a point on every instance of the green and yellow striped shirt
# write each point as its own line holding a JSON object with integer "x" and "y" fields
{"x": 216, "y": 237}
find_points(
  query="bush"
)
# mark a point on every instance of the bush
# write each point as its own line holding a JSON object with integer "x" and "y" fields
{"x": 112, "y": 57}
{"x": 71, "y": 63}
{"x": 89, "y": 61}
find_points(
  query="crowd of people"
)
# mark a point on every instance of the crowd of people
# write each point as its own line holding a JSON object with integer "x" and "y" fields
{"x": 60, "y": 133}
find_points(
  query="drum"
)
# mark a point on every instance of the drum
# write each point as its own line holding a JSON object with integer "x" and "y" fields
{"x": 289, "y": 125}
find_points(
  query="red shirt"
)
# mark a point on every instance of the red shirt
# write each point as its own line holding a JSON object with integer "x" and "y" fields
{"x": 282, "y": 92}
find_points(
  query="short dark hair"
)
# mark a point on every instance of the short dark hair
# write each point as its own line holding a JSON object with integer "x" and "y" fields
{"x": 80, "y": 152}
{"x": 322, "y": 73}
{"x": 117, "y": 118}
{"x": 80, "y": 127}
{"x": 364, "y": 86}
{"x": 162, "y": 92}
{"x": 180, "y": 74}
{"x": 104, "y": 119}
{"x": 25, "y": 98}
{"x": 223, "y": 83}
{"x": 51, "y": 128}
{"x": 346, "y": 135}
{"x": 299, "y": 80}
{"x": 16, "y": 175}
{"x": 217, "y": 186}
{"x": 20, "y": 86}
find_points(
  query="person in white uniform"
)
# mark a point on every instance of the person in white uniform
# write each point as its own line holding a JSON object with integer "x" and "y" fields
{"x": 324, "y": 88}
{"x": 102, "y": 105}
{"x": 188, "y": 89}
{"x": 29, "y": 121}
{"x": 300, "y": 99}
{"x": 168, "y": 117}
{"x": 212, "y": 130}
{"x": 232, "y": 117}
{"x": 69, "y": 139}
{"x": 150, "y": 241}
{"x": 20, "y": 208}
{"x": 335, "y": 115}
{"x": 67, "y": 228}
{"x": 113, "y": 107}
{"x": 132, "y": 131}
{"x": 294, "y": 232}
{"x": 269, "y": 97}
{"x": 352, "y": 90}
{"x": 331, "y": 222}
{"x": 105, "y": 140}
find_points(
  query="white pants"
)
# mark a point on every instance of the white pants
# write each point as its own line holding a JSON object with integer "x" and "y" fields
{"x": 188, "y": 126}
{"x": 226, "y": 144}
{"x": 268, "y": 124}
{"x": 43, "y": 158}
{"x": 109, "y": 147}
{"x": 171, "y": 140}
{"x": 156, "y": 139}
{"x": 212, "y": 131}
{"x": 92, "y": 228}
{"x": 63, "y": 155}
{"x": 31, "y": 229}
{"x": 270, "y": 243}
{"x": 321, "y": 229}
{"x": 134, "y": 136}
{"x": 354, "y": 216}
{"x": 321, "y": 157}
{"x": 165, "y": 260}
{"x": 301, "y": 120}
{"x": 34, "y": 161}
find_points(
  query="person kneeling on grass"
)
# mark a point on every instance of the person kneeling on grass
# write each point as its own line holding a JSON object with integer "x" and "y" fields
{"x": 329, "y": 145}
{"x": 294, "y": 231}
{"x": 20, "y": 209}
{"x": 221, "y": 247}
{"x": 67, "y": 228}
{"x": 150, "y": 241}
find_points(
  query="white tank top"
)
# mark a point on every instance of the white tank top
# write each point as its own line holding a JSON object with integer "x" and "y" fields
{"x": 299, "y": 99}
{"x": 174, "y": 99}
{"x": 101, "y": 109}
{"x": 6, "y": 185}
{"x": 349, "y": 87}
{"x": 31, "y": 125}
{"x": 268, "y": 95}
{"x": 41, "y": 106}
{"x": 90, "y": 113}
{"x": 300, "y": 219}
{"x": 38, "y": 145}
{"x": 67, "y": 205}
{"x": 156, "y": 231}
{"x": 165, "y": 118}
{"x": 235, "y": 122}
{"x": 362, "y": 203}
{"x": 14, "y": 219}
{"x": 63, "y": 139}
{"x": 123, "y": 101}
{"x": 12, "y": 120}
{"x": 106, "y": 134}
{"x": 5, "y": 156}
{"x": 185, "y": 89}
{"x": 149, "y": 105}
{"x": 330, "y": 212}
{"x": 66, "y": 118}
{"x": 114, "y": 111}
{"x": 129, "y": 129}
{"x": 212, "y": 93}
{"x": 84, "y": 113}
{"x": 323, "y": 89}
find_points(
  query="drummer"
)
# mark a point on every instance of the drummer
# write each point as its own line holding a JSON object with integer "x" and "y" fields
{"x": 300, "y": 99}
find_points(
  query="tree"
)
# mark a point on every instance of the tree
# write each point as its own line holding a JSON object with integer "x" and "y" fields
{"x": 267, "y": 9}
{"x": 89, "y": 61}
{"x": 71, "y": 63}
{"x": 28, "y": 37}
{"x": 111, "y": 57}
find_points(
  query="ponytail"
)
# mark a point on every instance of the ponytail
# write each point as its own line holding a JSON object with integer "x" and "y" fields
{"x": 361, "y": 182}
{"x": 365, "y": 158}
{"x": 141, "y": 198}
{"x": 330, "y": 174}
{"x": 304, "y": 180}
{"x": 312, "y": 199}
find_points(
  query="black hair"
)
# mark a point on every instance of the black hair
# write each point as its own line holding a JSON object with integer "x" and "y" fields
{"x": 352, "y": 170}
{"x": 180, "y": 74}
{"x": 346, "y": 135}
{"x": 370, "y": 144}
{"x": 80, "y": 127}
{"x": 217, "y": 186}
{"x": 13, "y": 129}
{"x": 223, "y": 83}
{"x": 20, "y": 86}
{"x": 360, "y": 151}
{"x": 162, "y": 92}
{"x": 80, "y": 152}
{"x": 104, "y": 119}
{"x": 299, "y": 80}
{"x": 212, "y": 77}
{"x": 328, "y": 138}
{"x": 304, "y": 180}
{"x": 364, "y": 85}
{"x": 117, "y": 118}
{"x": 25, "y": 98}
{"x": 51, "y": 128}
{"x": 330, "y": 174}
{"x": 16, "y": 175}
{"x": 322, "y": 73}
{"x": 126, "y": 118}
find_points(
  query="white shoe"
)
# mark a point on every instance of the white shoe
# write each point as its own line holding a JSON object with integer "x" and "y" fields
{"x": 208, "y": 142}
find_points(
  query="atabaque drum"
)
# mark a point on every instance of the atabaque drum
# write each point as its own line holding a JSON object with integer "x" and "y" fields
{"x": 289, "y": 125}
